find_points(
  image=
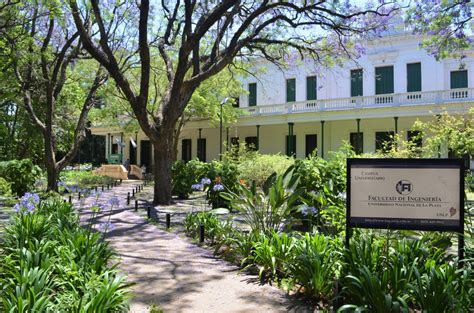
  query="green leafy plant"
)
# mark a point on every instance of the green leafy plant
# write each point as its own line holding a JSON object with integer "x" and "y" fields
{"x": 5, "y": 188}
{"x": 49, "y": 263}
{"x": 267, "y": 209}
{"x": 259, "y": 167}
{"x": 272, "y": 254}
{"x": 315, "y": 265}
{"x": 21, "y": 174}
{"x": 444, "y": 288}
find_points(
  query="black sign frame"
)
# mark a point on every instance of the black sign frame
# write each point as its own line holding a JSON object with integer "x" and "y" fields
{"x": 407, "y": 163}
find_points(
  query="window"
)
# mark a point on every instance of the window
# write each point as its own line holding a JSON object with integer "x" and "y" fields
{"x": 251, "y": 143}
{"x": 201, "y": 149}
{"x": 384, "y": 140}
{"x": 413, "y": 77}
{"x": 290, "y": 90}
{"x": 234, "y": 141}
{"x": 252, "y": 94}
{"x": 311, "y": 143}
{"x": 357, "y": 142}
{"x": 115, "y": 148}
{"x": 291, "y": 150}
{"x": 236, "y": 102}
{"x": 414, "y": 136}
{"x": 357, "y": 86}
{"x": 311, "y": 88}
{"x": 186, "y": 150}
{"x": 383, "y": 80}
{"x": 459, "y": 80}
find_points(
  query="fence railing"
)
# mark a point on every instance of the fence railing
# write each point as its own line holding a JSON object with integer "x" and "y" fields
{"x": 387, "y": 100}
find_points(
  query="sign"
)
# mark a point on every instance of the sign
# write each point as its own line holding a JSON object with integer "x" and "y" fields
{"x": 418, "y": 194}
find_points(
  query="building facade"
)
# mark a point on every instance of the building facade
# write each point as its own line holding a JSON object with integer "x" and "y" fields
{"x": 302, "y": 108}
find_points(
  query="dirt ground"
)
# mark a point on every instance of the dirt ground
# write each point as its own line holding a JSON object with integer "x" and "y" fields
{"x": 177, "y": 275}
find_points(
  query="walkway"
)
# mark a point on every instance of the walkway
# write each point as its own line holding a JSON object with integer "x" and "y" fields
{"x": 177, "y": 275}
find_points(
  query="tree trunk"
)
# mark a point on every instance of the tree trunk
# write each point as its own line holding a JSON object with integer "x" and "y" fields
{"x": 53, "y": 175}
{"x": 163, "y": 159}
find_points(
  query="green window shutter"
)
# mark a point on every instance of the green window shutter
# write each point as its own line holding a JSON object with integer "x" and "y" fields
{"x": 291, "y": 150}
{"x": 459, "y": 79}
{"x": 201, "y": 149}
{"x": 383, "y": 80}
{"x": 290, "y": 90}
{"x": 357, "y": 86}
{"x": 413, "y": 77}
{"x": 252, "y": 94}
{"x": 311, "y": 89}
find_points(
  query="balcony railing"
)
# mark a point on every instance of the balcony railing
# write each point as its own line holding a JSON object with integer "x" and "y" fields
{"x": 388, "y": 100}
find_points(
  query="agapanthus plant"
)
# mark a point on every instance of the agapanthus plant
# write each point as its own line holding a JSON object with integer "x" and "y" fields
{"x": 27, "y": 203}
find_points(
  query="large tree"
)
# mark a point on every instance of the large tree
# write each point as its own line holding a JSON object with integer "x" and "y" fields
{"x": 205, "y": 37}
{"x": 41, "y": 51}
{"x": 446, "y": 25}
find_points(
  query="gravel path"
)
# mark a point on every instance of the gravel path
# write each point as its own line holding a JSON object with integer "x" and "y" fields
{"x": 179, "y": 276}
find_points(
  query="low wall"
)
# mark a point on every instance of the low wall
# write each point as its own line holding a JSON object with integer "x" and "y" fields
{"x": 112, "y": 170}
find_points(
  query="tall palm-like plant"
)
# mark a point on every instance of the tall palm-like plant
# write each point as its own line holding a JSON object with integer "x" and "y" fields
{"x": 267, "y": 209}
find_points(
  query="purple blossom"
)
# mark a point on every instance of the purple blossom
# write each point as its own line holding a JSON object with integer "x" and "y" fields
{"x": 96, "y": 194}
{"x": 205, "y": 181}
{"x": 308, "y": 210}
{"x": 197, "y": 187}
{"x": 218, "y": 187}
{"x": 106, "y": 227}
{"x": 99, "y": 206}
{"x": 27, "y": 203}
{"x": 114, "y": 201}
{"x": 72, "y": 188}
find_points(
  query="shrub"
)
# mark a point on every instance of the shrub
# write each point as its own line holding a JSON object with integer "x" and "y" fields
{"x": 225, "y": 174}
{"x": 325, "y": 185}
{"x": 315, "y": 265}
{"x": 5, "y": 188}
{"x": 392, "y": 275}
{"x": 268, "y": 209}
{"x": 261, "y": 166}
{"x": 49, "y": 263}
{"x": 84, "y": 179}
{"x": 21, "y": 174}
{"x": 272, "y": 255}
{"x": 215, "y": 229}
{"x": 184, "y": 175}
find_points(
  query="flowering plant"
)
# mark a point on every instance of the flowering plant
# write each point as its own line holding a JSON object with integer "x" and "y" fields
{"x": 27, "y": 203}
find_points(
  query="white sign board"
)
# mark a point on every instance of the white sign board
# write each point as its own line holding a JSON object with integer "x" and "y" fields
{"x": 423, "y": 194}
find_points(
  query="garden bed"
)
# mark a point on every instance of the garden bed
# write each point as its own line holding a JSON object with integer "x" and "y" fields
{"x": 50, "y": 263}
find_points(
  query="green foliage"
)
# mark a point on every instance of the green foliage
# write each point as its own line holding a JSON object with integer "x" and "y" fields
{"x": 226, "y": 174}
{"x": 267, "y": 209}
{"x": 325, "y": 185}
{"x": 21, "y": 174}
{"x": 215, "y": 229}
{"x": 273, "y": 254}
{"x": 444, "y": 288}
{"x": 314, "y": 266}
{"x": 84, "y": 179}
{"x": 5, "y": 188}
{"x": 258, "y": 167}
{"x": 50, "y": 263}
{"x": 393, "y": 275}
{"x": 454, "y": 132}
{"x": 185, "y": 174}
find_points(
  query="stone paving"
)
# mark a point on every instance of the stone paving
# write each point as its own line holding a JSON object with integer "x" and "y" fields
{"x": 175, "y": 274}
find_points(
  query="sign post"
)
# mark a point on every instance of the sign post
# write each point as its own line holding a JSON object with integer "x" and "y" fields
{"x": 416, "y": 194}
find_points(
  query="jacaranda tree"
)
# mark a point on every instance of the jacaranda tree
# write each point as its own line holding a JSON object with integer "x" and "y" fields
{"x": 198, "y": 39}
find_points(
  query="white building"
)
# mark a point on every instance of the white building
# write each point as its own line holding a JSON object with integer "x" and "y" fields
{"x": 364, "y": 102}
